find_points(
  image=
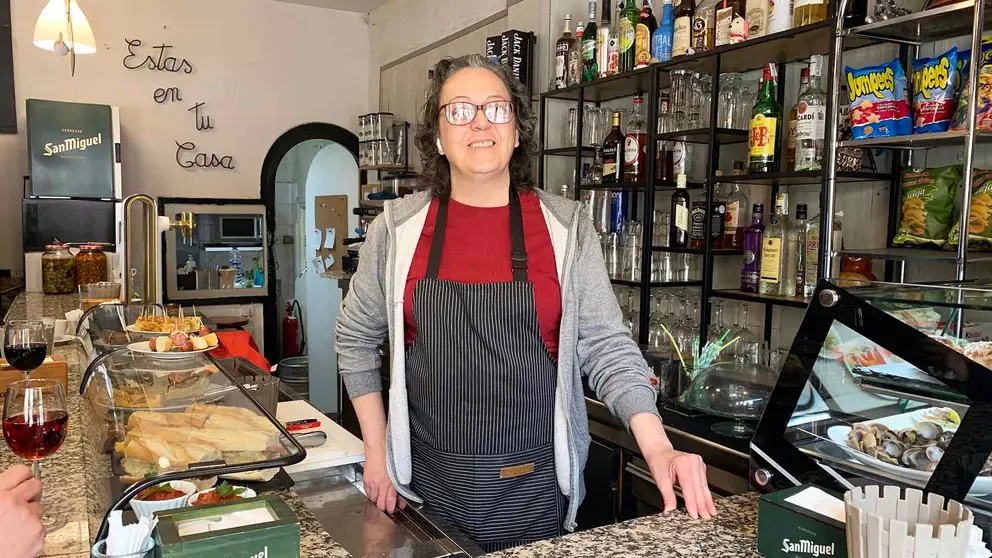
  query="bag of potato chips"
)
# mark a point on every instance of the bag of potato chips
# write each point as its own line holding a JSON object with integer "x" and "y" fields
{"x": 879, "y": 105}
{"x": 927, "y": 205}
{"x": 979, "y": 226}
{"x": 935, "y": 92}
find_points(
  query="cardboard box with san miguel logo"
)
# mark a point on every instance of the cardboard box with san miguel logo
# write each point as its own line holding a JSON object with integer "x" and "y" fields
{"x": 786, "y": 530}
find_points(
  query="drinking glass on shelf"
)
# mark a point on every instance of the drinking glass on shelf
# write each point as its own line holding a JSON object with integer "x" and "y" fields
{"x": 571, "y": 128}
{"x": 750, "y": 349}
{"x": 632, "y": 242}
{"x": 742, "y": 118}
{"x": 705, "y": 83}
{"x": 662, "y": 222}
{"x": 35, "y": 423}
{"x": 681, "y": 89}
{"x": 717, "y": 327}
{"x": 730, "y": 101}
{"x": 593, "y": 127}
{"x": 24, "y": 344}
{"x": 664, "y": 112}
{"x": 611, "y": 253}
{"x": 695, "y": 102}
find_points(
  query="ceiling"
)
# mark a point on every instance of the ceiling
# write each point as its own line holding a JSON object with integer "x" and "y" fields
{"x": 361, "y": 6}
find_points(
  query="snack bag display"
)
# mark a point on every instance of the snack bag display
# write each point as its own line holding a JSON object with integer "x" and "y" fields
{"x": 879, "y": 107}
{"x": 934, "y": 92}
{"x": 927, "y": 200}
{"x": 983, "y": 114}
{"x": 980, "y": 216}
{"x": 964, "y": 66}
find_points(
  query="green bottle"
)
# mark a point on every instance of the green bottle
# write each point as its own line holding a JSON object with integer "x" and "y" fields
{"x": 629, "y": 18}
{"x": 590, "y": 69}
{"x": 766, "y": 118}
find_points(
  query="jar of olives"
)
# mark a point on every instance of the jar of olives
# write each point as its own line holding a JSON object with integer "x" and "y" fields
{"x": 58, "y": 270}
{"x": 91, "y": 264}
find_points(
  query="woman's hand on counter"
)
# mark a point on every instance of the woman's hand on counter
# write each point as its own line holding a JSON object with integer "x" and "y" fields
{"x": 378, "y": 486}
{"x": 20, "y": 513}
{"x": 669, "y": 466}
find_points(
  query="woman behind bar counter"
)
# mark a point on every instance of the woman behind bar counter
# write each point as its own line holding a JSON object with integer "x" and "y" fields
{"x": 496, "y": 299}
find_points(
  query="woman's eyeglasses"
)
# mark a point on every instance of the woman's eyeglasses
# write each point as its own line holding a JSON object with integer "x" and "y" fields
{"x": 461, "y": 113}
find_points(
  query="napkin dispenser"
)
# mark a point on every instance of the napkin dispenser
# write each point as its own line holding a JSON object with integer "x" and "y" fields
{"x": 274, "y": 530}
{"x": 789, "y": 530}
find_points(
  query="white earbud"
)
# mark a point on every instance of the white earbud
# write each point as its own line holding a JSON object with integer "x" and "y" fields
{"x": 440, "y": 149}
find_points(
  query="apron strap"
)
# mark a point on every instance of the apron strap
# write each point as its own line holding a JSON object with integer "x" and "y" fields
{"x": 518, "y": 250}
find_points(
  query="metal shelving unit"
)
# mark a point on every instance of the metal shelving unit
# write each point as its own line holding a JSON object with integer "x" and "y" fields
{"x": 782, "y": 48}
{"x": 909, "y": 31}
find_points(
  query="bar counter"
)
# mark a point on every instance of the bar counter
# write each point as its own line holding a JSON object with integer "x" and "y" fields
{"x": 336, "y": 521}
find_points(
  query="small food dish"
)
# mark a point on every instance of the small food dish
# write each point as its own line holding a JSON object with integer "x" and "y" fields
{"x": 144, "y": 348}
{"x": 165, "y": 496}
{"x": 223, "y": 492}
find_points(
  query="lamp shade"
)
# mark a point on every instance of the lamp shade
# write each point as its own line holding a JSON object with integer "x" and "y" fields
{"x": 52, "y": 22}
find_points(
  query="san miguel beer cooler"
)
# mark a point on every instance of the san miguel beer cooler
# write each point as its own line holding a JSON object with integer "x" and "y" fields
{"x": 75, "y": 193}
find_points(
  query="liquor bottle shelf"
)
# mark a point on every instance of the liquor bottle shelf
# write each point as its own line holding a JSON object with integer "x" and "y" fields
{"x": 799, "y": 177}
{"x": 925, "y": 254}
{"x": 613, "y": 186}
{"x": 702, "y": 136}
{"x": 953, "y": 20}
{"x": 917, "y": 141}
{"x": 569, "y": 151}
{"x": 792, "y": 45}
{"x": 657, "y": 284}
{"x": 697, "y": 251}
{"x": 670, "y": 185}
{"x": 790, "y": 301}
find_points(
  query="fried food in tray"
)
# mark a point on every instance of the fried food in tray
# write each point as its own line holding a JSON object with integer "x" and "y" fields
{"x": 167, "y": 324}
{"x": 156, "y": 441}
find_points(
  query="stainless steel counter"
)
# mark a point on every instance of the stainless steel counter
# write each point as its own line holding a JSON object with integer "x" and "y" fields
{"x": 336, "y": 499}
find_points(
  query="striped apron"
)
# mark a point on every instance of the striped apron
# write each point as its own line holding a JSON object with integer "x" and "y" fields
{"x": 481, "y": 387}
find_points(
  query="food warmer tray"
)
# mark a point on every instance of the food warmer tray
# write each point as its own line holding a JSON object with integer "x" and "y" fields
{"x": 213, "y": 426}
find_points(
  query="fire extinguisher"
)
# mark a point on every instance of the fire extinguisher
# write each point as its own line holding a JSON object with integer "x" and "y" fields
{"x": 293, "y": 336}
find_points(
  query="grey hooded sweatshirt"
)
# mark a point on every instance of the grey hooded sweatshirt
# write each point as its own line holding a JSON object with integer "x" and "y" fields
{"x": 593, "y": 340}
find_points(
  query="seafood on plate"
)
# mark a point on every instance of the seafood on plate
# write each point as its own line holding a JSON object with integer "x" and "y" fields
{"x": 167, "y": 324}
{"x": 919, "y": 447}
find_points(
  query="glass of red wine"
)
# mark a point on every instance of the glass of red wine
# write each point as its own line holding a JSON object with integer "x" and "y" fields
{"x": 35, "y": 423}
{"x": 24, "y": 344}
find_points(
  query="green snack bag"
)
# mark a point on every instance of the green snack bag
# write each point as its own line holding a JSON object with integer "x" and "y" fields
{"x": 927, "y": 202}
{"x": 979, "y": 226}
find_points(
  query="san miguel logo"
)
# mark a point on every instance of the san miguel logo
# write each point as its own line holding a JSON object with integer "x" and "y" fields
{"x": 810, "y": 548}
{"x": 72, "y": 144}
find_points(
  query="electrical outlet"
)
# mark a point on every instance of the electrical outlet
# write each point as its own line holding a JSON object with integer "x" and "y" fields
{"x": 287, "y": 239}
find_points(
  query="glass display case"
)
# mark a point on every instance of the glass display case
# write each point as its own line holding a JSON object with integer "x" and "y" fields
{"x": 155, "y": 417}
{"x": 904, "y": 390}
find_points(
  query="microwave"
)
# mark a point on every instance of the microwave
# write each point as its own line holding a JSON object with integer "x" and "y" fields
{"x": 240, "y": 228}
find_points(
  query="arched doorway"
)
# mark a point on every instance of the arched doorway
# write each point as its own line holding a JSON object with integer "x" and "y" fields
{"x": 302, "y": 143}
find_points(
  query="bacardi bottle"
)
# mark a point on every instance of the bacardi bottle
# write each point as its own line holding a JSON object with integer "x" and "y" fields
{"x": 811, "y": 120}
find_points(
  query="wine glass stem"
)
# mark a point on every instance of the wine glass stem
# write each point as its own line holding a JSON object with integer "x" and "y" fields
{"x": 36, "y": 469}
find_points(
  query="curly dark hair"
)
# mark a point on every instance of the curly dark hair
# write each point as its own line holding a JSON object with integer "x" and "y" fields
{"x": 437, "y": 172}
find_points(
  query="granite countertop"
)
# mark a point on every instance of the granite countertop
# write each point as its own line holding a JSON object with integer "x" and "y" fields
{"x": 733, "y": 533}
{"x": 83, "y": 467}
{"x": 67, "y": 467}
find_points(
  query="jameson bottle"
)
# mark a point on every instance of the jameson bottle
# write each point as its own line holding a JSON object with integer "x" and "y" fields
{"x": 629, "y": 17}
{"x": 646, "y": 24}
{"x": 751, "y": 272}
{"x": 590, "y": 62}
{"x": 766, "y": 117}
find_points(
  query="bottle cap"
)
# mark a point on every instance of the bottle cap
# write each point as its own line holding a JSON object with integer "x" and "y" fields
{"x": 801, "y": 211}
{"x": 738, "y": 167}
{"x": 758, "y": 208}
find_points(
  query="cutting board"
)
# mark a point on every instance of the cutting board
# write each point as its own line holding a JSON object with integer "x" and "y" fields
{"x": 341, "y": 447}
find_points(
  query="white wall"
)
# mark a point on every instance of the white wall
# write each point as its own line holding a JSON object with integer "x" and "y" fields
{"x": 261, "y": 67}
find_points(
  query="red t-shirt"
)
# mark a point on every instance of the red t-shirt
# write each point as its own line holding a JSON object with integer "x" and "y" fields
{"x": 477, "y": 250}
